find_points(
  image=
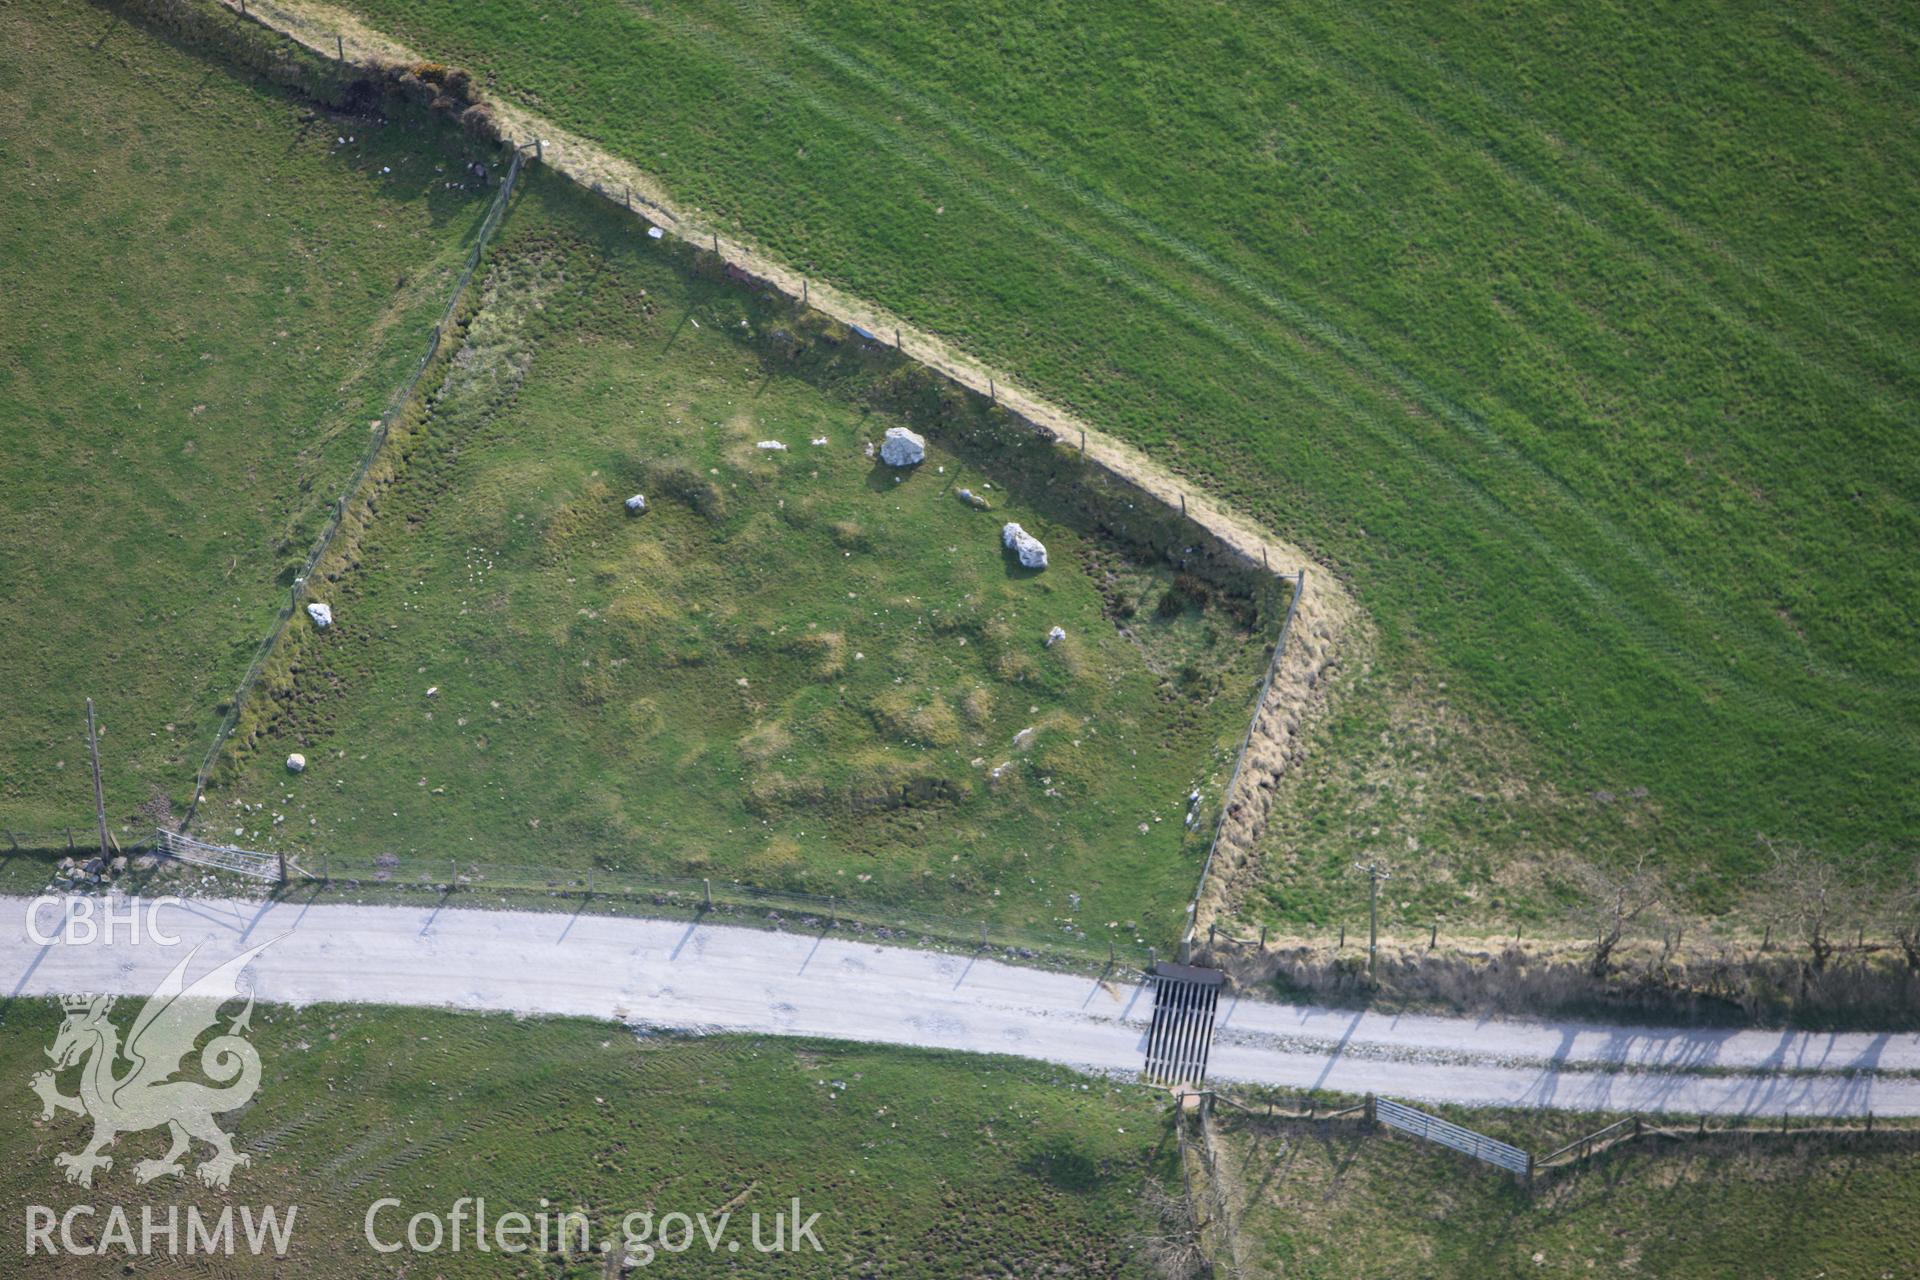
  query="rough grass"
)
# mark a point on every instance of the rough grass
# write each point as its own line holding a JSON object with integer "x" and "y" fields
{"x": 920, "y": 1164}
{"x": 1329, "y": 1202}
{"x": 208, "y": 299}
{"x": 1577, "y": 336}
{"x": 799, "y": 668}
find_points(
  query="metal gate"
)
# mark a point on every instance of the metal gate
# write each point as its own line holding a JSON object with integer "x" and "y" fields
{"x": 225, "y": 857}
{"x": 1478, "y": 1145}
{"x": 1178, "y": 1039}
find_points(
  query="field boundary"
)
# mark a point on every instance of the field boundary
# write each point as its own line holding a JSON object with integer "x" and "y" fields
{"x": 1382, "y": 1116}
{"x": 396, "y": 405}
{"x": 1239, "y": 763}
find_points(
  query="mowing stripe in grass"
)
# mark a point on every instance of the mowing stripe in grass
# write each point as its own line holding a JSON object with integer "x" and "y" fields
{"x": 1368, "y": 363}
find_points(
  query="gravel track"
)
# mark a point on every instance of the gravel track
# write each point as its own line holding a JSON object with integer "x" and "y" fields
{"x": 728, "y": 979}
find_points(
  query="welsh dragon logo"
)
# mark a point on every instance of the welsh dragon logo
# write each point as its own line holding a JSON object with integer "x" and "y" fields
{"x": 146, "y": 1095}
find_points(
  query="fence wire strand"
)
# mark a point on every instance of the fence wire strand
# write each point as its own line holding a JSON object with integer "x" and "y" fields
{"x": 396, "y": 404}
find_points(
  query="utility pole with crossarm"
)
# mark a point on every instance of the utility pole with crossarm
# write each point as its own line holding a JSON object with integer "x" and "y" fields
{"x": 1375, "y": 874}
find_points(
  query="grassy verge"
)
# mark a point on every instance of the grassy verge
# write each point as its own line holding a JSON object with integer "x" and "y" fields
{"x": 799, "y": 668}
{"x": 1319, "y": 1200}
{"x": 213, "y": 290}
{"x": 920, "y": 1164}
{"x": 1575, "y": 338}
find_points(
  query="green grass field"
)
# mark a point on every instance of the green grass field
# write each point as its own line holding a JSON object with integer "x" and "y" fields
{"x": 1332, "y": 1203}
{"x": 209, "y": 297}
{"x": 799, "y": 668}
{"x": 920, "y": 1164}
{"x": 1576, "y": 337}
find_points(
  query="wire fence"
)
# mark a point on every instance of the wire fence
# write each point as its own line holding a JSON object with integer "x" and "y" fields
{"x": 714, "y": 900}
{"x": 395, "y": 406}
{"x": 80, "y": 840}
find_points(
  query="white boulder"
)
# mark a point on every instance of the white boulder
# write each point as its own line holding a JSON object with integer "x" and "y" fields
{"x": 903, "y": 448}
{"x": 772, "y": 446}
{"x": 1055, "y": 635}
{"x": 296, "y": 763}
{"x": 636, "y": 504}
{"x": 1032, "y": 552}
{"x": 321, "y": 614}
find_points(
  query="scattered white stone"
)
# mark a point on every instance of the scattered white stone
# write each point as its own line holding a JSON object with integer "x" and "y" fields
{"x": 1055, "y": 635}
{"x": 869, "y": 448}
{"x": 1023, "y": 739}
{"x": 903, "y": 448}
{"x": 636, "y": 504}
{"x": 296, "y": 763}
{"x": 817, "y": 441}
{"x": 971, "y": 498}
{"x": 654, "y": 233}
{"x": 772, "y": 446}
{"x": 321, "y": 614}
{"x": 433, "y": 691}
{"x": 1032, "y": 552}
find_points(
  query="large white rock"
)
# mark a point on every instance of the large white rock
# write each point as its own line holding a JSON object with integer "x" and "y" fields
{"x": 636, "y": 504}
{"x": 322, "y": 615}
{"x": 1032, "y": 552}
{"x": 1055, "y": 635}
{"x": 903, "y": 448}
{"x": 296, "y": 763}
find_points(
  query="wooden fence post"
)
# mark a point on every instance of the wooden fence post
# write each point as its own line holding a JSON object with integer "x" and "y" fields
{"x": 707, "y": 882}
{"x": 1263, "y": 937}
{"x": 339, "y": 47}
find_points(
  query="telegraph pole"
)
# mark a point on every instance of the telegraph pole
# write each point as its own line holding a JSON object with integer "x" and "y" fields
{"x": 99, "y": 796}
{"x": 1375, "y": 874}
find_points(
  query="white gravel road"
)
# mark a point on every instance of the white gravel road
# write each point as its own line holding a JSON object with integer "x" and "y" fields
{"x": 717, "y": 978}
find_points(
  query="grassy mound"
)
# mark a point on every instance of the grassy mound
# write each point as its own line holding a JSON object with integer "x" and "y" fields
{"x": 799, "y": 667}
